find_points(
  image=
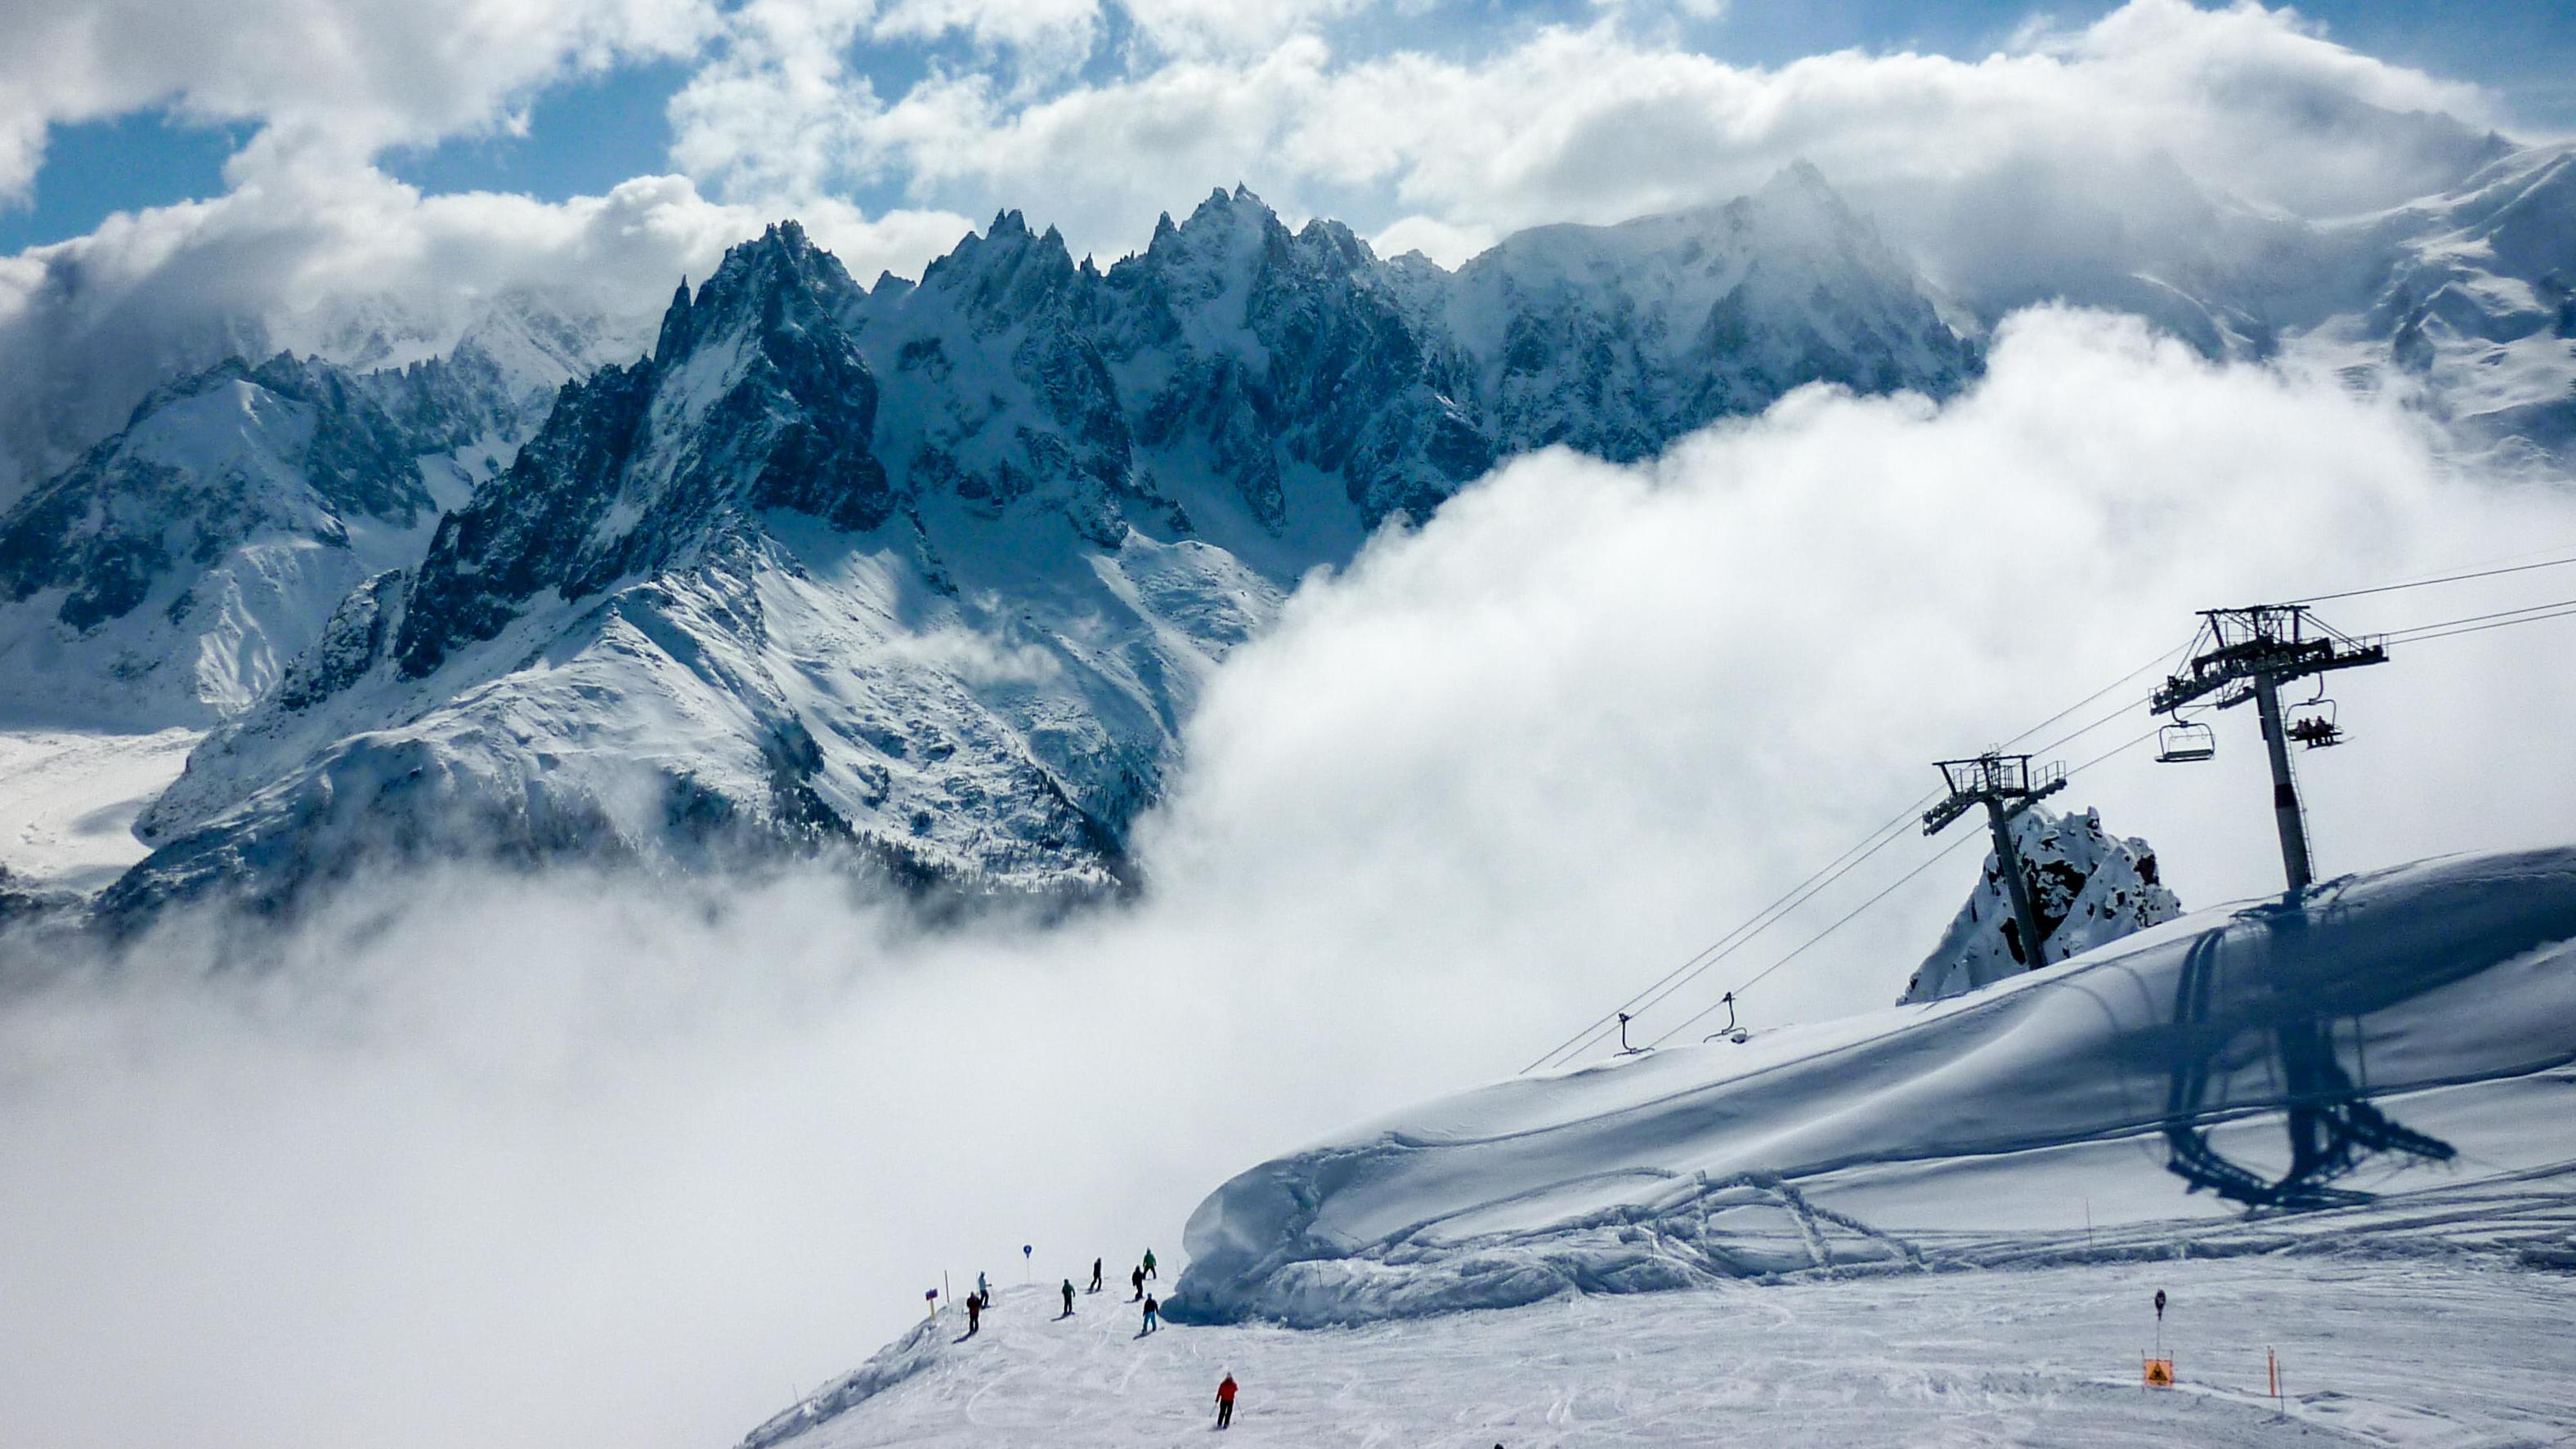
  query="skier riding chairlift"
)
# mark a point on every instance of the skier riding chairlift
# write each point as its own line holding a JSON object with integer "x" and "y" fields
{"x": 2317, "y": 730}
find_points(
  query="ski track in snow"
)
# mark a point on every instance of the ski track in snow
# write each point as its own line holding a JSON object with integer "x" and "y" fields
{"x": 68, "y": 800}
{"x": 2373, "y": 1352}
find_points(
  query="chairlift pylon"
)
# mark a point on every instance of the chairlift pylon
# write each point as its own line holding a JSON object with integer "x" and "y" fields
{"x": 2184, "y": 743}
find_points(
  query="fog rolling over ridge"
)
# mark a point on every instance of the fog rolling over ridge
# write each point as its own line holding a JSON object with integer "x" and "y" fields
{"x": 926, "y": 579}
{"x": 636, "y": 1161}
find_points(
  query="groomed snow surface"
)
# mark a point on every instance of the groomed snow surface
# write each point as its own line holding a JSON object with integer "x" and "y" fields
{"x": 2339, "y": 1130}
{"x": 2427, "y": 1352}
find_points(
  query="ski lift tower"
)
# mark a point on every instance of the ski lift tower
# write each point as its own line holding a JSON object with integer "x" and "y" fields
{"x": 2006, "y": 785}
{"x": 2248, "y": 653}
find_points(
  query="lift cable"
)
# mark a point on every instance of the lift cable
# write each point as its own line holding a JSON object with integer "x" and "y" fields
{"x": 1799, "y": 894}
{"x": 2499, "y": 624}
{"x": 1887, "y": 834}
{"x": 2446, "y": 626}
{"x": 1788, "y": 901}
{"x": 2442, "y": 579}
{"x": 1855, "y": 912}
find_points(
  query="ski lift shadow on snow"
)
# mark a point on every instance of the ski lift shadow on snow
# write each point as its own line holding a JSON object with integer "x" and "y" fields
{"x": 2332, "y": 1125}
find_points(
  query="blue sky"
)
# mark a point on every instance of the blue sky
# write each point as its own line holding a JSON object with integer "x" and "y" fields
{"x": 586, "y": 133}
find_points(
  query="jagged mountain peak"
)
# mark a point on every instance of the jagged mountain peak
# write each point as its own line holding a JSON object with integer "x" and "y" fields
{"x": 1005, "y": 273}
{"x": 782, "y": 257}
{"x": 779, "y": 278}
{"x": 1166, "y": 445}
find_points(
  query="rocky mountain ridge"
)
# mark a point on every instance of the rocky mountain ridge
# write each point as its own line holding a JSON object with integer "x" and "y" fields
{"x": 933, "y": 571}
{"x": 169, "y": 575}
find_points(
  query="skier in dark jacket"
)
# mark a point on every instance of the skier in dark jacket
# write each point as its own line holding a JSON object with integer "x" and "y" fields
{"x": 1153, "y": 1317}
{"x": 974, "y": 1313}
{"x": 1225, "y": 1401}
{"x": 1068, "y": 1298}
{"x": 1137, "y": 1278}
{"x": 1095, "y": 1276}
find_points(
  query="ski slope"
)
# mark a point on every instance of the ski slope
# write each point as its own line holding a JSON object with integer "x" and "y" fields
{"x": 2407, "y": 1026}
{"x": 2424, "y": 1352}
{"x": 2336, "y": 1130}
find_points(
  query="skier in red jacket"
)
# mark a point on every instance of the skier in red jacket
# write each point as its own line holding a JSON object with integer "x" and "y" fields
{"x": 1225, "y": 1402}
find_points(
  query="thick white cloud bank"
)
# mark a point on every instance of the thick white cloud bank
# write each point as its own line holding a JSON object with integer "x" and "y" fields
{"x": 551, "y": 1163}
{"x": 1596, "y": 123}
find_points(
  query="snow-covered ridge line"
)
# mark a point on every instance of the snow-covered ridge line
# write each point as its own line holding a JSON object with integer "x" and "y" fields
{"x": 928, "y": 575}
{"x": 2153, "y": 1068}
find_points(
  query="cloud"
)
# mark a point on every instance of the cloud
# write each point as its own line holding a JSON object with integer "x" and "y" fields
{"x": 323, "y": 258}
{"x": 1595, "y": 123}
{"x": 349, "y": 77}
{"x": 567, "y": 1161}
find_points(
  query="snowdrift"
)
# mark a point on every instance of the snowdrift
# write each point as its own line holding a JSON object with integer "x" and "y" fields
{"x": 2389, "y": 1040}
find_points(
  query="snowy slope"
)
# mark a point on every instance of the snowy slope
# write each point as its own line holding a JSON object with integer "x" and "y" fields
{"x": 2412, "y": 1023}
{"x": 2431, "y": 1351}
{"x": 70, "y": 797}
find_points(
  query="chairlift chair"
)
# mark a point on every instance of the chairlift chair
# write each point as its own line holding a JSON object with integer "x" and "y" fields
{"x": 2316, "y": 730}
{"x": 1731, "y": 1031}
{"x": 2180, "y": 743}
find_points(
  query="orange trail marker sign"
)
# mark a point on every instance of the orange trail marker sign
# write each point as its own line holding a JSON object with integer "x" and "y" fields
{"x": 2159, "y": 1373}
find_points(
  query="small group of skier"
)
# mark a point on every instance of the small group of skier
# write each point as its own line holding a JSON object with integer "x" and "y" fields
{"x": 982, "y": 1298}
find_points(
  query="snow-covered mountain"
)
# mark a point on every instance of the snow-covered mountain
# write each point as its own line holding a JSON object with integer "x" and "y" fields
{"x": 2477, "y": 306}
{"x": 168, "y": 577}
{"x": 84, "y": 364}
{"x": 934, "y": 571}
{"x": 1615, "y": 340}
{"x": 2462, "y": 301}
{"x": 2087, "y": 886}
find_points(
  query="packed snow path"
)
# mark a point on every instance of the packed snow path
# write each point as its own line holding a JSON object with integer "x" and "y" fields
{"x": 2380, "y": 1352}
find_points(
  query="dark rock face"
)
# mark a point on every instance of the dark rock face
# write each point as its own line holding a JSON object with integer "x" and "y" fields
{"x": 1293, "y": 348}
{"x": 788, "y": 426}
